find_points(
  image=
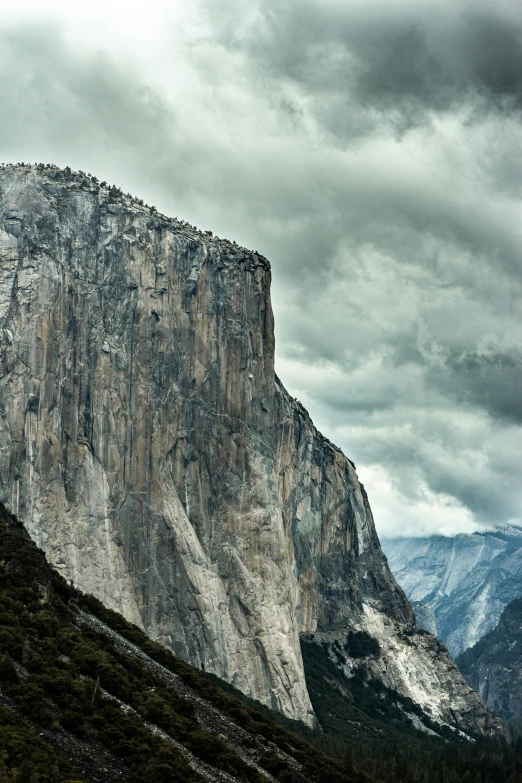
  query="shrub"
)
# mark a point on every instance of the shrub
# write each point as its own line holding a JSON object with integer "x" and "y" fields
{"x": 8, "y": 673}
{"x": 31, "y": 699}
{"x": 273, "y": 764}
{"x": 360, "y": 644}
{"x": 72, "y": 720}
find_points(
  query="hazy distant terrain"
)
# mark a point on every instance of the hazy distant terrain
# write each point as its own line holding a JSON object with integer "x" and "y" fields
{"x": 468, "y": 579}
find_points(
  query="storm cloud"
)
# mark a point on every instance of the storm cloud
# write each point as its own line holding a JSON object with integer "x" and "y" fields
{"x": 372, "y": 151}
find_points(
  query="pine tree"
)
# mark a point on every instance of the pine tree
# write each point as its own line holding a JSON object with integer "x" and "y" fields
{"x": 348, "y": 760}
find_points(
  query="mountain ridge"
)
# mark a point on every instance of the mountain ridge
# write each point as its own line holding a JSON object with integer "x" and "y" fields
{"x": 151, "y": 451}
{"x": 467, "y": 579}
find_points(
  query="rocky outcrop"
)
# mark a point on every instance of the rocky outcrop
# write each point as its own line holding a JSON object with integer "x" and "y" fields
{"x": 494, "y": 666}
{"x": 149, "y": 448}
{"x": 467, "y": 580}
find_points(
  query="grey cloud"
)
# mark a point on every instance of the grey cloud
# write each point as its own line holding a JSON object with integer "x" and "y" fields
{"x": 53, "y": 100}
{"x": 493, "y": 382}
{"x": 395, "y": 60}
{"x": 458, "y": 456}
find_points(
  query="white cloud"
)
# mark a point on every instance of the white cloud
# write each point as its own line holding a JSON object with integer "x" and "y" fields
{"x": 429, "y": 514}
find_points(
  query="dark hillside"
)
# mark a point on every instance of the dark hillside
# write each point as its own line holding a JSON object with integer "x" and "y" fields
{"x": 389, "y": 736}
{"x": 86, "y": 696}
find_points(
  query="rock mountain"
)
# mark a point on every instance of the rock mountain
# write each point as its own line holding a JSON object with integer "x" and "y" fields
{"x": 150, "y": 450}
{"x": 493, "y": 666}
{"x": 466, "y": 580}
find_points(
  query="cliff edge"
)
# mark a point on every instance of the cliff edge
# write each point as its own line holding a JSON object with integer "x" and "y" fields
{"x": 150, "y": 450}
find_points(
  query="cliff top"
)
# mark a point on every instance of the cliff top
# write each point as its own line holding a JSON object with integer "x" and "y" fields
{"x": 112, "y": 196}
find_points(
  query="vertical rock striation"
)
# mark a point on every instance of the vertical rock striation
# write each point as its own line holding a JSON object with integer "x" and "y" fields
{"x": 425, "y": 616}
{"x": 149, "y": 448}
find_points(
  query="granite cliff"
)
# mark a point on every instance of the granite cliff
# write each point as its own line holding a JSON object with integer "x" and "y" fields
{"x": 425, "y": 616}
{"x": 150, "y": 450}
{"x": 493, "y": 666}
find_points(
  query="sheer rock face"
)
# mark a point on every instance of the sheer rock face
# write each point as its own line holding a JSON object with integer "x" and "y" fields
{"x": 149, "y": 448}
{"x": 494, "y": 665}
{"x": 425, "y": 616}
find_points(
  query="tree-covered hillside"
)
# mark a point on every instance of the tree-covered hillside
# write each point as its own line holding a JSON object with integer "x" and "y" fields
{"x": 85, "y": 696}
{"x": 88, "y": 697}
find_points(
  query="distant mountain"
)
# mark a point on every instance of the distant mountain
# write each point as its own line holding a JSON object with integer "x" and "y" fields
{"x": 425, "y": 616}
{"x": 467, "y": 580}
{"x": 493, "y": 667}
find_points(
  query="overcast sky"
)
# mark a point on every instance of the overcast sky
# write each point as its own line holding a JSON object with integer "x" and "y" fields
{"x": 372, "y": 151}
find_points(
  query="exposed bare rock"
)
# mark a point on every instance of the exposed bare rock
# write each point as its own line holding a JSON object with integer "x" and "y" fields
{"x": 494, "y": 665}
{"x": 425, "y": 616}
{"x": 149, "y": 448}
